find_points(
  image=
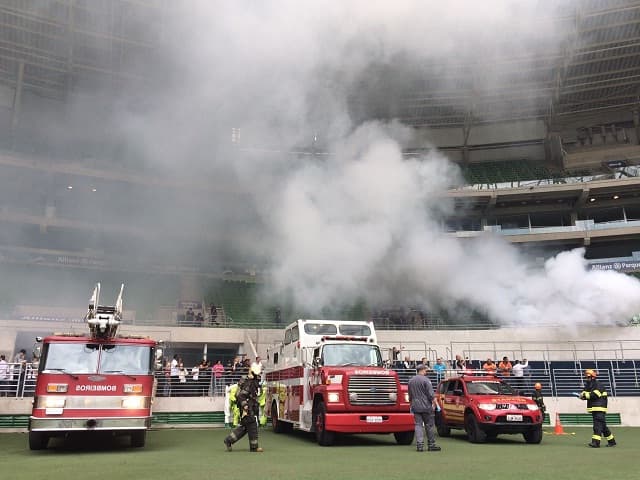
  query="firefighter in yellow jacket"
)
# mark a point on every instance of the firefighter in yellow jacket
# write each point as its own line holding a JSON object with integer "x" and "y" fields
{"x": 247, "y": 403}
{"x": 596, "y": 397}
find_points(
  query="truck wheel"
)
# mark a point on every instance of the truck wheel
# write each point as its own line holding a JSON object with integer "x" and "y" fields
{"x": 474, "y": 433}
{"x": 38, "y": 440}
{"x": 323, "y": 437}
{"x": 442, "y": 429}
{"x": 138, "y": 438}
{"x": 276, "y": 424}
{"x": 534, "y": 435}
{"x": 404, "y": 438}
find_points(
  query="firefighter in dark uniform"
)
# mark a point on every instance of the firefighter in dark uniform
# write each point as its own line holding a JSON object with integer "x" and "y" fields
{"x": 596, "y": 397}
{"x": 539, "y": 398}
{"x": 247, "y": 402}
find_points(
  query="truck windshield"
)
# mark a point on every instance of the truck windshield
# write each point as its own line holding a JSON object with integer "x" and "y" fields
{"x": 131, "y": 359}
{"x": 351, "y": 354}
{"x": 96, "y": 358}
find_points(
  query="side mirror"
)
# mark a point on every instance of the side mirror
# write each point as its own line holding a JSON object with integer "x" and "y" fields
{"x": 317, "y": 362}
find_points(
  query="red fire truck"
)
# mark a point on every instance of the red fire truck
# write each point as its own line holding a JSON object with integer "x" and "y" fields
{"x": 100, "y": 381}
{"x": 327, "y": 377}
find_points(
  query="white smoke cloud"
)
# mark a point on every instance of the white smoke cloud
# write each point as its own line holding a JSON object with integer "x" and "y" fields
{"x": 361, "y": 221}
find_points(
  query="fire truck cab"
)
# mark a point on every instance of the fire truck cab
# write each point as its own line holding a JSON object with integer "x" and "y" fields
{"x": 327, "y": 377}
{"x": 96, "y": 381}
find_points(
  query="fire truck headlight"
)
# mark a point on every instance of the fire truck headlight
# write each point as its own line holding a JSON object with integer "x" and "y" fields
{"x": 132, "y": 388}
{"x": 133, "y": 402}
{"x": 406, "y": 397}
{"x": 57, "y": 387}
{"x": 333, "y": 397}
{"x": 52, "y": 402}
{"x": 393, "y": 396}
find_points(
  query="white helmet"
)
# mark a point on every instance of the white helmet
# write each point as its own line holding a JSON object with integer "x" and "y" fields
{"x": 256, "y": 369}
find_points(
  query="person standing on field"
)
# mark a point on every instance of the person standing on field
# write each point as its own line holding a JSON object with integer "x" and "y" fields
{"x": 247, "y": 402}
{"x": 423, "y": 407}
{"x": 596, "y": 396}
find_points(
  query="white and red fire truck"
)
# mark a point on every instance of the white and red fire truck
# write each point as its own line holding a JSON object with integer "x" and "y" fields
{"x": 95, "y": 381}
{"x": 327, "y": 377}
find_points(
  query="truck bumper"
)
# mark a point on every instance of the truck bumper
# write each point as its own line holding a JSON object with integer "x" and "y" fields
{"x": 369, "y": 423}
{"x": 38, "y": 424}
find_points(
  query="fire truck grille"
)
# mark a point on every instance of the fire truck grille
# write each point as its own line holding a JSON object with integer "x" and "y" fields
{"x": 373, "y": 390}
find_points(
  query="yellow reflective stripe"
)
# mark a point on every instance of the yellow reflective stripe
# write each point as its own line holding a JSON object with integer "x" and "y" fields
{"x": 596, "y": 437}
{"x": 597, "y": 392}
{"x": 610, "y": 437}
{"x": 586, "y": 395}
{"x": 597, "y": 409}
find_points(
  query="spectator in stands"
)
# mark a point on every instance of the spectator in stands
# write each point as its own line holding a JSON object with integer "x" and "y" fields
{"x": 518, "y": 374}
{"x": 166, "y": 371}
{"x": 407, "y": 364}
{"x": 5, "y": 376}
{"x": 489, "y": 367}
{"x": 277, "y": 319}
{"x": 199, "y": 320}
{"x": 395, "y": 354}
{"x": 183, "y": 374}
{"x": 504, "y": 367}
{"x": 204, "y": 378}
{"x": 190, "y": 317}
{"x": 440, "y": 369}
{"x": 218, "y": 373}
{"x": 527, "y": 373}
{"x": 174, "y": 373}
{"x": 214, "y": 315}
{"x": 20, "y": 361}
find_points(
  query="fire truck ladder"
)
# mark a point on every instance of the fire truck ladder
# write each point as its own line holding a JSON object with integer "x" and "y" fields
{"x": 104, "y": 320}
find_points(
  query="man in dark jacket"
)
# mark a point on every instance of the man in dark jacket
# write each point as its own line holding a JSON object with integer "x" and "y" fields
{"x": 596, "y": 397}
{"x": 247, "y": 401}
{"x": 422, "y": 401}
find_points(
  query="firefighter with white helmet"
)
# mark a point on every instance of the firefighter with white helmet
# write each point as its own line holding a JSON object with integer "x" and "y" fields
{"x": 247, "y": 399}
{"x": 596, "y": 397}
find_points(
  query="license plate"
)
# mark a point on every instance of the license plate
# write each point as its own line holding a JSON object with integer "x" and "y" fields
{"x": 53, "y": 411}
{"x": 374, "y": 419}
{"x": 514, "y": 418}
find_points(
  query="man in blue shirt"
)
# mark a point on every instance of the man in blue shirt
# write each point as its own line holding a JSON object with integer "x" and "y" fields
{"x": 439, "y": 368}
{"x": 423, "y": 406}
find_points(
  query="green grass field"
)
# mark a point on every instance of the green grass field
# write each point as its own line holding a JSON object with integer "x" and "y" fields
{"x": 200, "y": 454}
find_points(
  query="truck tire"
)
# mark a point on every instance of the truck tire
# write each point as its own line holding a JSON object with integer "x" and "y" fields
{"x": 38, "y": 440}
{"x": 474, "y": 433}
{"x": 534, "y": 435}
{"x": 441, "y": 428}
{"x": 323, "y": 437}
{"x": 138, "y": 438}
{"x": 277, "y": 425}
{"x": 404, "y": 438}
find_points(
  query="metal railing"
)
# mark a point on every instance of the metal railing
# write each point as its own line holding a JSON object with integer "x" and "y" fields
{"x": 20, "y": 380}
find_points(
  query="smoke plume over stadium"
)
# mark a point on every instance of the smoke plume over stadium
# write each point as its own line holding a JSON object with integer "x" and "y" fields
{"x": 238, "y": 87}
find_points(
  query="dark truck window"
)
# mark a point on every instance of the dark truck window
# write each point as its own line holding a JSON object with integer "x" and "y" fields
{"x": 489, "y": 388}
{"x": 356, "y": 330}
{"x": 320, "y": 329}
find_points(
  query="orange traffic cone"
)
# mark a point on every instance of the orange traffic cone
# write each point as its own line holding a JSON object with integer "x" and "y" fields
{"x": 558, "y": 429}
